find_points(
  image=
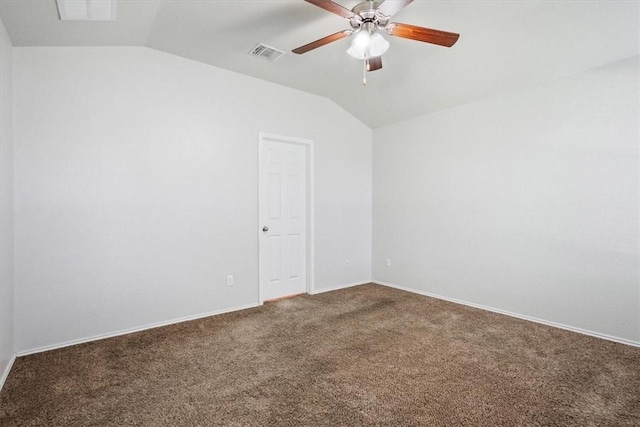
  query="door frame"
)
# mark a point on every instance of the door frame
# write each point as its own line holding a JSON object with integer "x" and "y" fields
{"x": 309, "y": 204}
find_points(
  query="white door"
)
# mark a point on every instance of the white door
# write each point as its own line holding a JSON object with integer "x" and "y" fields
{"x": 283, "y": 227}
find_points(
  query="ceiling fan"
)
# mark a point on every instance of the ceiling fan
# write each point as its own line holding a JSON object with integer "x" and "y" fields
{"x": 367, "y": 20}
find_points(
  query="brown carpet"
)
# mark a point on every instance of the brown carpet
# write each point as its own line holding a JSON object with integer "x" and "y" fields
{"x": 368, "y": 355}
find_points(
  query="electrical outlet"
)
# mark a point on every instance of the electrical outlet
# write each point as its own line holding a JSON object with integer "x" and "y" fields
{"x": 230, "y": 280}
{"x": 347, "y": 263}
{"x": 388, "y": 263}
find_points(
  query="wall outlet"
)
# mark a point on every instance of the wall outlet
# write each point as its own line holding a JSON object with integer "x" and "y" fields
{"x": 347, "y": 263}
{"x": 388, "y": 262}
{"x": 230, "y": 280}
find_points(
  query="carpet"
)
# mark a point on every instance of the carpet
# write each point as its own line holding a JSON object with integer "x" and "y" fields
{"x": 367, "y": 355}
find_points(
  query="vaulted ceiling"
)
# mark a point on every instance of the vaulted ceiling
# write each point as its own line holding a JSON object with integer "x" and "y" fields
{"x": 503, "y": 45}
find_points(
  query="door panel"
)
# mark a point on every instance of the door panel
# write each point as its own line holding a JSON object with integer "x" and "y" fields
{"x": 294, "y": 255}
{"x": 275, "y": 258}
{"x": 275, "y": 197}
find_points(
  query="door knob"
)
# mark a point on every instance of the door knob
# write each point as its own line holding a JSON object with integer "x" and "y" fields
{"x": 265, "y": 228}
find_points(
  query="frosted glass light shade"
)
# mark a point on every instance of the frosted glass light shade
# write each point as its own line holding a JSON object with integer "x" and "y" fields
{"x": 365, "y": 45}
{"x": 360, "y": 45}
{"x": 378, "y": 45}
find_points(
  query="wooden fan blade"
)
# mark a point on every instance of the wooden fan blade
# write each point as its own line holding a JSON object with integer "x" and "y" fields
{"x": 391, "y": 7}
{"x": 332, "y": 7}
{"x": 374, "y": 64}
{"x": 422, "y": 34}
{"x": 321, "y": 42}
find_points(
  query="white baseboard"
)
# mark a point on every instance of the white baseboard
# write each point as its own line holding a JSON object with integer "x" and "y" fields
{"x": 133, "y": 330}
{"x": 315, "y": 292}
{"x": 336, "y": 288}
{"x": 508, "y": 313}
{"x": 165, "y": 323}
{"x": 7, "y": 369}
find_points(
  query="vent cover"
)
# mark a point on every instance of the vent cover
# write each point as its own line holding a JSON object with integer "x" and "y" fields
{"x": 266, "y": 52}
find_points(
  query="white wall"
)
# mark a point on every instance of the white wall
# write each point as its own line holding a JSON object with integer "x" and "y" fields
{"x": 136, "y": 189}
{"x": 7, "y": 350}
{"x": 136, "y": 194}
{"x": 526, "y": 202}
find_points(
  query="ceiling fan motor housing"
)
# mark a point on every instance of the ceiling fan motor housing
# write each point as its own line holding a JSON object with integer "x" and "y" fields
{"x": 367, "y": 16}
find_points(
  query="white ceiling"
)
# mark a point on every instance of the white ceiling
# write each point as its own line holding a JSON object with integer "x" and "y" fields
{"x": 503, "y": 45}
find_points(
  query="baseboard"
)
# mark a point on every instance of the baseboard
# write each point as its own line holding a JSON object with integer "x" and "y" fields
{"x": 509, "y": 313}
{"x": 336, "y": 288}
{"x": 7, "y": 369}
{"x": 315, "y": 292}
{"x": 133, "y": 330}
{"x": 166, "y": 323}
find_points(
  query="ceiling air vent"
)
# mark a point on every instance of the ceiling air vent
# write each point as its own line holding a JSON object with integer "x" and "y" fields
{"x": 266, "y": 52}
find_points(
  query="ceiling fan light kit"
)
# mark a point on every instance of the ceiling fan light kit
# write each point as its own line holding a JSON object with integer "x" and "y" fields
{"x": 367, "y": 45}
{"x": 367, "y": 20}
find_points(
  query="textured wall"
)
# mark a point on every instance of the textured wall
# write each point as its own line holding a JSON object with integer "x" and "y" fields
{"x": 526, "y": 202}
{"x": 136, "y": 189}
{"x": 7, "y": 348}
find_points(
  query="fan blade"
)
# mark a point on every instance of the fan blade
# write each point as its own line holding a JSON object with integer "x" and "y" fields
{"x": 374, "y": 64}
{"x": 422, "y": 34}
{"x": 332, "y": 7}
{"x": 391, "y": 7}
{"x": 321, "y": 42}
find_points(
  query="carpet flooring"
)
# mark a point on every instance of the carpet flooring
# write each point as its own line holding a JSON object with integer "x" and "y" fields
{"x": 367, "y": 355}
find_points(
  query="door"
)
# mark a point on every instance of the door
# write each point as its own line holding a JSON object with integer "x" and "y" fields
{"x": 283, "y": 218}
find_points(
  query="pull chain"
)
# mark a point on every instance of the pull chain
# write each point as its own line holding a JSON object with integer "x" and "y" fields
{"x": 364, "y": 72}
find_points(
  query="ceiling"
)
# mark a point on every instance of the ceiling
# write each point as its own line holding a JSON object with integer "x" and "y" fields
{"x": 503, "y": 45}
